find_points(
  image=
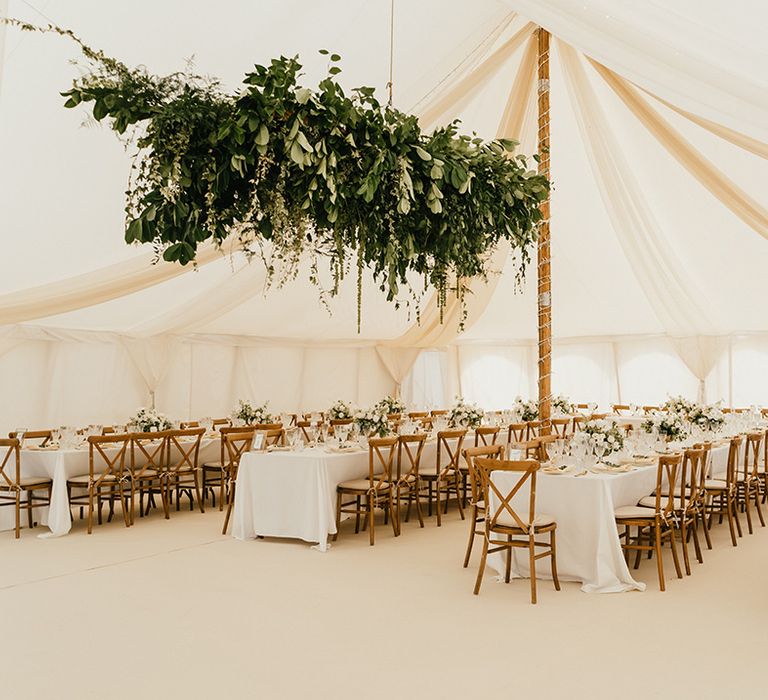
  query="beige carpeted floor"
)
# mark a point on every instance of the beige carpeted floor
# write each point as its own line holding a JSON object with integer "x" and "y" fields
{"x": 174, "y": 609}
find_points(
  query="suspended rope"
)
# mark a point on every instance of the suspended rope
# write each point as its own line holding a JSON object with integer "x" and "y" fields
{"x": 390, "y": 84}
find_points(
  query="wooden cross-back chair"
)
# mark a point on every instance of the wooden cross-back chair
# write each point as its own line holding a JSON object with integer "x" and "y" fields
{"x": 763, "y": 472}
{"x": 655, "y": 524}
{"x": 517, "y": 433}
{"x": 42, "y": 437}
{"x": 598, "y": 416}
{"x": 619, "y": 408}
{"x": 532, "y": 429}
{"x": 107, "y": 477}
{"x": 720, "y": 494}
{"x": 687, "y": 502}
{"x": 748, "y": 478}
{"x": 476, "y": 503}
{"x": 561, "y": 427}
{"x": 578, "y": 423}
{"x": 650, "y": 409}
{"x": 407, "y": 481}
{"x": 148, "y": 465}
{"x": 214, "y": 473}
{"x": 13, "y": 485}
{"x": 445, "y": 477}
{"x": 183, "y": 469}
{"x": 185, "y": 424}
{"x": 376, "y": 491}
{"x": 486, "y": 435}
{"x": 505, "y": 527}
{"x": 339, "y": 421}
{"x": 701, "y": 493}
{"x": 236, "y": 443}
{"x": 274, "y": 437}
{"x": 439, "y": 412}
{"x": 413, "y": 415}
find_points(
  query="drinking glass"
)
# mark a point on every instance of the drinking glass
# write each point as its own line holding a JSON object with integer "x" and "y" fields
{"x": 20, "y": 433}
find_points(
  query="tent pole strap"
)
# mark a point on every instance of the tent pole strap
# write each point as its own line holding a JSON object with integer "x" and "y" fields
{"x": 543, "y": 250}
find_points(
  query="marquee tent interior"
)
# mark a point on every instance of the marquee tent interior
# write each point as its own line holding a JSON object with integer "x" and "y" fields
{"x": 659, "y": 222}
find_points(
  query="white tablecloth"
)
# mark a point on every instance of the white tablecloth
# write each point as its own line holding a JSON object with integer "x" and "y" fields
{"x": 293, "y": 494}
{"x": 588, "y": 547}
{"x": 60, "y": 465}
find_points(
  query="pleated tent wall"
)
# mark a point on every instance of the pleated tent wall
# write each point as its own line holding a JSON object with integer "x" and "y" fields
{"x": 658, "y": 225}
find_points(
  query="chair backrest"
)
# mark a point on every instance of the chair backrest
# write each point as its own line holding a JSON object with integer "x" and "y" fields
{"x": 184, "y": 448}
{"x": 440, "y": 412}
{"x": 409, "y": 451}
{"x": 598, "y": 416}
{"x": 650, "y": 409}
{"x": 189, "y": 424}
{"x": 666, "y": 477}
{"x": 339, "y": 421}
{"x": 10, "y": 462}
{"x": 517, "y": 432}
{"x": 582, "y": 406}
{"x": 449, "y": 444}
{"x": 237, "y": 441}
{"x": 223, "y": 432}
{"x": 108, "y": 430}
{"x": 268, "y": 438}
{"x": 381, "y": 457}
{"x": 42, "y": 436}
{"x": 394, "y": 416}
{"x": 265, "y": 426}
{"x": 470, "y": 454}
{"x": 752, "y": 454}
{"x": 561, "y": 426}
{"x": 100, "y": 463}
{"x": 221, "y": 422}
{"x": 619, "y": 408}
{"x": 732, "y": 466}
{"x": 486, "y": 435}
{"x": 149, "y": 451}
{"x": 578, "y": 423}
{"x": 532, "y": 429}
{"x": 543, "y": 441}
{"x": 706, "y": 465}
{"x": 498, "y": 499}
{"x": 418, "y": 414}
{"x": 690, "y": 480}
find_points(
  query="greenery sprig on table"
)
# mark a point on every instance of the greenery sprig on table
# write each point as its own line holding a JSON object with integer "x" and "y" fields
{"x": 289, "y": 170}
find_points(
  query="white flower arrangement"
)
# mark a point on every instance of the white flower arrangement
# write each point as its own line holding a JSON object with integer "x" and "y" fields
{"x": 672, "y": 426}
{"x": 341, "y": 410}
{"x": 148, "y": 420}
{"x": 562, "y": 405}
{"x": 706, "y": 417}
{"x": 373, "y": 422}
{"x": 465, "y": 415}
{"x": 390, "y": 405}
{"x": 526, "y": 410}
{"x": 611, "y": 434}
{"x": 678, "y": 405}
{"x": 252, "y": 415}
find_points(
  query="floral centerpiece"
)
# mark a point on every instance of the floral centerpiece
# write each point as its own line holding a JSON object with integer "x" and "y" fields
{"x": 611, "y": 434}
{"x": 372, "y": 422}
{"x": 561, "y": 404}
{"x": 669, "y": 425}
{"x": 706, "y": 417}
{"x": 341, "y": 410}
{"x": 465, "y": 415}
{"x": 678, "y": 405}
{"x": 390, "y": 405}
{"x": 252, "y": 415}
{"x": 148, "y": 420}
{"x": 527, "y": 410}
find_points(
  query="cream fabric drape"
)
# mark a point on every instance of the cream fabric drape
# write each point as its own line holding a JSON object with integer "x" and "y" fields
{"x": 730, "y": 194}
{"x": 91, "y": 288}
{"x": 151, "y": 357}
{"x": 700, "y": 355}
{"x": 462, "y": 91}
{"x": 660, "y": 274}
{"x": 3, "y": 13}
{"x": 697, "y": 54}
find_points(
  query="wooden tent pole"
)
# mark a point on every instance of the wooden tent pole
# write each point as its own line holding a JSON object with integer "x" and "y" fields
{"x": 543, "y": 252}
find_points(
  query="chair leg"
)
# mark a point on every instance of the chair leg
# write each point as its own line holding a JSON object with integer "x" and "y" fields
{"x": 757, "y": 506}
{"x": 705, "y": 527}
{"x": 481, "y": 569}
{"x": 230, "y": 505}
{"x": 198, "y": 493}
{"x": 338, "y": 516}
{"x": 370, "y": 517}
{"x": 90, "y": 509}
{"x": 417, "y": 486}
{"x": 659, "y": 562}
{"x": 729, "y": 505}
{"x": 675, "y": 558}
{"x": 458, "y": 497}
{"x": 553, "y": 549}
{"x": 508, "y": 562}
{"x": 696, "y": 545}
{"x": 532, "y": 559}
{"x": 472, "y": 526}
{"x": 18, "y": 514}
{"x": 684, "y": 545}
{"x": 747, "y": 509}
{"x": 437, "y": 502}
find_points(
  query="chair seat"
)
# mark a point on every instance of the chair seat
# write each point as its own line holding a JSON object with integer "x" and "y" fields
{"x": 181, "y": 469}
{"x": 539, "y": 521}
{"x": 29, "y": 483}
{"x": 716, "y": 484}
{"x": 213, "y": 465}
{"x": 634, "y": 513}
{"x": 146, "y": 474}
{"x": 650, "y": 502}
{"x": 85, "y": 478}
{"x": 362, "y": 484}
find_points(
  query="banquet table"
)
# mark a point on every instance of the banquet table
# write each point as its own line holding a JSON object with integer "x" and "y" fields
{"x": 293, "y": 493}
{"x": 588, "y": 546}
{"x": 60, "y": 465}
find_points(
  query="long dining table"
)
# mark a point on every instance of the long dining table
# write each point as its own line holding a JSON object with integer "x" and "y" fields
{"x": 62, "y": 464}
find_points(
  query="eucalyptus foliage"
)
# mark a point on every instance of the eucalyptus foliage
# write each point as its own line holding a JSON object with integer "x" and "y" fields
{"x": 290, "y": 170}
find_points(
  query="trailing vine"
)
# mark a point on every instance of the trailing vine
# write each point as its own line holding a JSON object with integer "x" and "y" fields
{"x": 293, "y": 172}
